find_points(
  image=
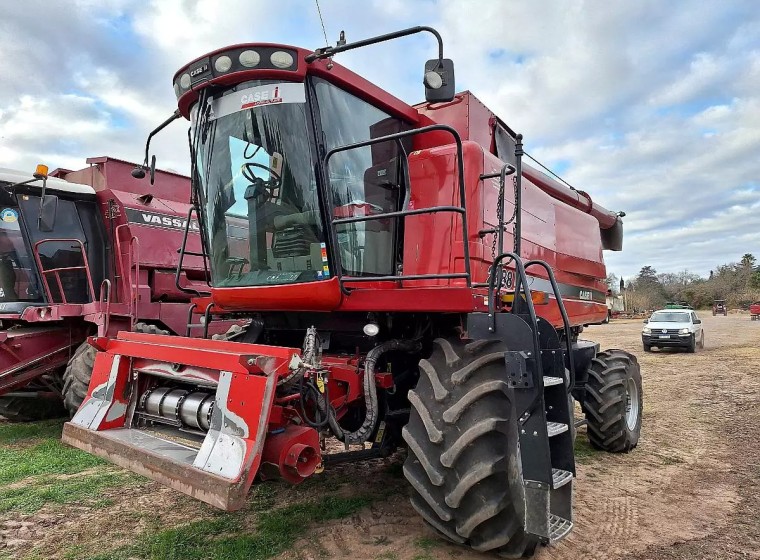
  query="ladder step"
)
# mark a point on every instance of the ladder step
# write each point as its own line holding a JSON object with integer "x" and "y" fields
{"x": 549, "y": 381}
{"x": 194, "y": 325}
{"x": 555, "y": 428}
{"x": 560, "y": 478}
{"x": 558, "y": 528}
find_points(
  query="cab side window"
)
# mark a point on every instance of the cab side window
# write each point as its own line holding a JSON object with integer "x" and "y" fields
{"x": 362, "y": 181}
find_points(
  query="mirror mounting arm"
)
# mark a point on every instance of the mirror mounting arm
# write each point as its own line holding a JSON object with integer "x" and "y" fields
{"x": 139, "y": 172}
{"x": 327, "y": 52}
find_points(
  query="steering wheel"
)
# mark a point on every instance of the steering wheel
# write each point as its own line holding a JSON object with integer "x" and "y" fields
{"x": 270, "y": 186}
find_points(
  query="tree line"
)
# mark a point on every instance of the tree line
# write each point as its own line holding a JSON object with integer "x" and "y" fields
{"x": 737, "y": 283}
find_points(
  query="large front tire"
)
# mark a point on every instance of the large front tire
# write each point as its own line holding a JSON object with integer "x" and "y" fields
{"x": 76, "y": 378}
{"x": 614, "y": 401}
{"x": 463, "y": 463}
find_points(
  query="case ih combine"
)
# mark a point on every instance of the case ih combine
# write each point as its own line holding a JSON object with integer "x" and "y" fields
{"x": 84, "y": 252}
{"x": 365, "y": 240}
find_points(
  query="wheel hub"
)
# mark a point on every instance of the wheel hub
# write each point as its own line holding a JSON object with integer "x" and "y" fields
{"x": 631, "y": 404}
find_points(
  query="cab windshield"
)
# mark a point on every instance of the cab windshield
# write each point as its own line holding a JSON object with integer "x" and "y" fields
{"x": 256, "y": 169}
{"x": 669, "y": 317}
{"x": 18, "y": 278}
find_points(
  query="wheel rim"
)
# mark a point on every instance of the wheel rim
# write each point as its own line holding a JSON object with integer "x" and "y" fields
{"x": 631, "y": 404}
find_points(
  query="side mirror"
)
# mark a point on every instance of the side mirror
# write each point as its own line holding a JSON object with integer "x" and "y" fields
{"x": 152, "y": 169}
{"x": 697, "y": 321}
{"x": 646, "y": 321}
{"x": 48, "y": 210}
{"x": 439, "y": 80}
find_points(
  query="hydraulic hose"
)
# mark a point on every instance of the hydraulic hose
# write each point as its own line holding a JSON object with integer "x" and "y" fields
{"x": 309, "y": 349}
{"x": 370, "y": 393}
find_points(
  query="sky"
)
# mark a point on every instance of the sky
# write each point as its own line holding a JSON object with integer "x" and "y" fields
{"x": 651, "y": 107}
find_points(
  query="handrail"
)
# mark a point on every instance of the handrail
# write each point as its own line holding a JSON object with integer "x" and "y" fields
{"x": 460, "y": 209}
{"x": 134, "y": 242}
{"x": 105, "y": 286}
{"x": 400, "y": 213}
{"x": 183, "y": 251}
{"x": 563, "y": 312}
{"x": 58, "y": 270}
{"x": 133, "y": 261}
{"x": 190, "y": 310}
{"x": 492, "y": 295}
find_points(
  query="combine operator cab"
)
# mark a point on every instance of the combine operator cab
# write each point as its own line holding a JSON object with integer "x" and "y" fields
{"x": 44, "y": 254}
{"x": 408, "y": 282}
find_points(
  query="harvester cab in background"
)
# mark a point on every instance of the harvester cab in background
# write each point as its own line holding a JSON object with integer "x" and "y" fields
{"x": 408, "y": 282}
{"x": 87, "y": 252}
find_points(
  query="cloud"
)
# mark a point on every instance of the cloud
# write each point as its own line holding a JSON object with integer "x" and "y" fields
{"x": 652, "y": 110}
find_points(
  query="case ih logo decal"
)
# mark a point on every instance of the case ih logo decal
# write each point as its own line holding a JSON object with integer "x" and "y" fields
{"x": 250, "y": 98}
{"x": 260, "y": 98}
{"x": 159, "y": 220}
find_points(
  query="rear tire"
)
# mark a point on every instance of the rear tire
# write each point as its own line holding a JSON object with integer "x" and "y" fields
{"x": 702, "y": 340}
{"x": 463, "y": 463}
{"x": 614, "y": 401}
{"x": 76, "y": 378}
{"x": 30, "y": 409}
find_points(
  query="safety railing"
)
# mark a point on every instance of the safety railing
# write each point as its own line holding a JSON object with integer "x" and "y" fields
{"x": 183, "y": 251}
{"x": 521, "y": 283}
{"x": 104, "y": 301}
{"x": 45, "y": 272}
{"x": 461, "y": 209}
{"x": 563, "y": 312}
{"x": 132, "y": 263}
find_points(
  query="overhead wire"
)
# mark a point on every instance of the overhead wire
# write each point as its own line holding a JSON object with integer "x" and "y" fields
{"x": 550, "y": 171}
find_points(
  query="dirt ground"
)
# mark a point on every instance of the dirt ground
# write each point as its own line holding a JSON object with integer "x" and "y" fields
{"x": 689, "y": 490}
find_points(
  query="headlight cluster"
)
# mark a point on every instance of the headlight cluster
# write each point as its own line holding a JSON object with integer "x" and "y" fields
{"x": 647, "y": 330}
{"x": 234, "y": 60}
{"x": 684, "y": 331}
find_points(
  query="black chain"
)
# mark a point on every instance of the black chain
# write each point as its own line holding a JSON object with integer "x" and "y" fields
{"x": 505, "y": 281}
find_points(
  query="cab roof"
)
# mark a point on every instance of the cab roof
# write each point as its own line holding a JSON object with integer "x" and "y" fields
{"x": 13, "y": 176}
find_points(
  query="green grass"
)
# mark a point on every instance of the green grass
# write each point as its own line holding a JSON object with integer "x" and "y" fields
{"x": 50, "y": 457}
{"x": 35, "y": 450}
{"x": 14, "y": 433}
{"x": 427, "y": 543}
{"x": 583, "y": 450}
{"x": 226, "y": 536}
{"x": 84, "y": 490}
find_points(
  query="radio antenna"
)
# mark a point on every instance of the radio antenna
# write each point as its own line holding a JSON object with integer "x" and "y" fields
{"x": 322, "y": 21}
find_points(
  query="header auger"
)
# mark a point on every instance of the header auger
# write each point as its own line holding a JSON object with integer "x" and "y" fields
{"x": 408, "y": 282}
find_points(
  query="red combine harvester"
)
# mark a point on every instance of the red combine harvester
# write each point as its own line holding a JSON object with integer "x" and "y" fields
{"x": 364, "y": 239}
{"x": 85, "y": 252}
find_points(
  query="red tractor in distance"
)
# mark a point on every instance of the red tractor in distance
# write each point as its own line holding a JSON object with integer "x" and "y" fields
{"x": 88, "y": 252}
{"x": 409, "y": 282}
{"x": 719, "y": 307}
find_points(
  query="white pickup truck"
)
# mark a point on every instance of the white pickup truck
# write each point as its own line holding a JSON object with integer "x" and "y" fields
{"x": 679, "y": 328}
